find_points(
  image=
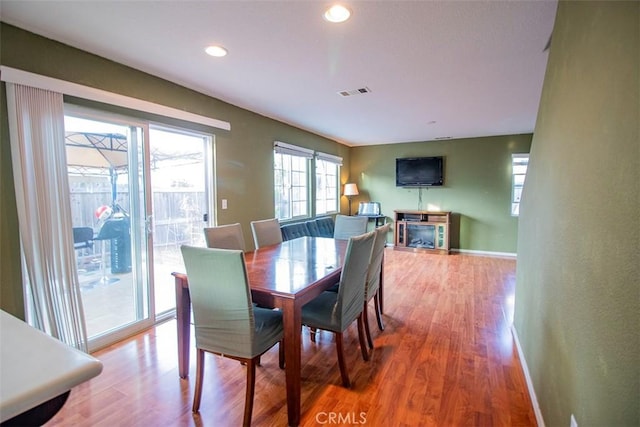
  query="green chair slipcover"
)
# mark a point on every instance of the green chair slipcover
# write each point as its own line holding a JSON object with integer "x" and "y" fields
{"x": 373, "y": 280}
{"x": 226, "y": 322}
{"x": 266, "y": 232}
{"x": 225, "y": 237}
{"x": 335, "y": 311}
{"x": 349, "y": 226}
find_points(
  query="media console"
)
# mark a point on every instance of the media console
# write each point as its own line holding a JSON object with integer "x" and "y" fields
{"x": 422, "y": 231}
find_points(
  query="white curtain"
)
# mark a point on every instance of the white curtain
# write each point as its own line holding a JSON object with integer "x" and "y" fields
{"x": 36, "y": 127}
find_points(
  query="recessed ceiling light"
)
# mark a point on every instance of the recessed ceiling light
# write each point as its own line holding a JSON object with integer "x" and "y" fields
{"x": 217, "y": 51}
{"x": 337, "y": 13}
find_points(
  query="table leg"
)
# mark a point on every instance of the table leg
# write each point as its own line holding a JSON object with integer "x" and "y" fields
{"x": 183, "y": 318}
{"x": 291, "y": 317}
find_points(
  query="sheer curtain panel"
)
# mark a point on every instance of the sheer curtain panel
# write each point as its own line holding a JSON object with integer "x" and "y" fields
{"x": 36, "y": 127}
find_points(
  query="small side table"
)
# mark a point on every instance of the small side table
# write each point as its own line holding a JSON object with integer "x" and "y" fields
{"x": 380, "y": 219}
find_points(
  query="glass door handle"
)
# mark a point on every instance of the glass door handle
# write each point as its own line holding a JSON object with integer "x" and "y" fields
{"x": 148, "y": 224}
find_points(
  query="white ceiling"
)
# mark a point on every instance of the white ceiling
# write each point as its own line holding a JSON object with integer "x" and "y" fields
{"x": 435, "y": 68}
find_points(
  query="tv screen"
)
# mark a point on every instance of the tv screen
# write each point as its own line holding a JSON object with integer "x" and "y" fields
{"x": 419, "y": 172}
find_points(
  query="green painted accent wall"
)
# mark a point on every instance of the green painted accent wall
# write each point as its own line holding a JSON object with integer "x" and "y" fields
{"x": 477, "y": 186}
{"x": 243, "y": 156}
{"x": 11, "y": 299}
{"x": 577, "y": 306}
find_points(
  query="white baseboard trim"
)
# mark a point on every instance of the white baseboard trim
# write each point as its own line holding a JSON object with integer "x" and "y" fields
{"x": 485, "y": 253}
{"x": 527, "y": 376}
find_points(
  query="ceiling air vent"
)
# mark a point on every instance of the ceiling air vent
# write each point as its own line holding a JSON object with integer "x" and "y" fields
{"x": 354, "y": 91}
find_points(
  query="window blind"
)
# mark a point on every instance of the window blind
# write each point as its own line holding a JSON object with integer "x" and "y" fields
{"x": 292, "y": 150}
{"x": 329, "y": 158}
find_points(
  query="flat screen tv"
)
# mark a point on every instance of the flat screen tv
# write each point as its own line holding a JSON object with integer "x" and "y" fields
{"x": 419, "y": 172}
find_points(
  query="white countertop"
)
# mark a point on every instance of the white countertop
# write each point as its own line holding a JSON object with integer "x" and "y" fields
{"x": 35, "y": 367}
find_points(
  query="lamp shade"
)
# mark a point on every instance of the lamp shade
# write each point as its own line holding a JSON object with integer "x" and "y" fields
{"x": 351, "y": 189}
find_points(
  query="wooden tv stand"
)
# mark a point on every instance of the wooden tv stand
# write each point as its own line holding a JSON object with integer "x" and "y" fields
{"x": 419, "y": 231}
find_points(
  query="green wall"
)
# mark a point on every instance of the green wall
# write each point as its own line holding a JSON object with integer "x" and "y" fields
{"x": 10, "y": 268}
{"x": 577, "y": 311}
{"x": 477, "y": 186}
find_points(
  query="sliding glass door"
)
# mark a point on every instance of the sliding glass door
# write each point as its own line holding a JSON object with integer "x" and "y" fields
{"x": 181, "y": 195}
{"x": 106, "y": 178}
{"x": 137, "y": 193}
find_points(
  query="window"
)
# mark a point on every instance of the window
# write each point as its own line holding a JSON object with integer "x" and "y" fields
{"x": 327, "y": 167}
{"x": 291, "y": 181}
{"x": 519, "y": 163}
{"x": 293, "y": 184}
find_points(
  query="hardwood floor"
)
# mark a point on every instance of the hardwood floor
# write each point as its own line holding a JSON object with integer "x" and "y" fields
{"x": 446, "y": 358}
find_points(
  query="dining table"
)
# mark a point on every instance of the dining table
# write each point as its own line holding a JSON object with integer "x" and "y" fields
{"x": 285, "y": 276}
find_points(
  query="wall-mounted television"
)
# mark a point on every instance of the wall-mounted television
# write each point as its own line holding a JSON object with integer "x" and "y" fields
{"x": 420, "y": 172}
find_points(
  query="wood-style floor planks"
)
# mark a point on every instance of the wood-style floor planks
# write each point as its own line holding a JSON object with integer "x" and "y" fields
{"x": 445, "y": 358}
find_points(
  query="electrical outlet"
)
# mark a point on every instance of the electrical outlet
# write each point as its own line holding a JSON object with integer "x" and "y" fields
{"x": 574, "y": 423}
{"x": 224, "y": 203}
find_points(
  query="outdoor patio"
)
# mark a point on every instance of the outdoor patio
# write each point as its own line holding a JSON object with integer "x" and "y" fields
{"x": 109, "y": 300}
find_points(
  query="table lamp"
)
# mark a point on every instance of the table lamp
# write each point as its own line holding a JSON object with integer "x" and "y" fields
{"x": 350, "y": 190}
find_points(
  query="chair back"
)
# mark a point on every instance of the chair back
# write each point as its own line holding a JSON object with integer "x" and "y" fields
{"x": 375, "y": 265}
{"x": 266, "y": 232}
{"x": 221, "y": 300}
{"x": 225, "y": 237}
{"x": 82, "y": 237}
{"x": 353, "y": 278}
{"x": 349, "y": 226}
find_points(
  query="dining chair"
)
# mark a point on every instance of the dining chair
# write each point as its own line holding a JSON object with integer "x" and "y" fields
{"x": 335, "y": 311}
{"x": 227, "y": 236}
{"x": 226, "y": 322}
{"x": 374, "y": 275}
{"x": 349, "y": 226}
{"x": 266, "y": 232}
{"x": 82, "y": 237}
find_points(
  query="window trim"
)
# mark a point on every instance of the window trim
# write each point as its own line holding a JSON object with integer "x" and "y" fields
{"x": 337, "y": 162}
{"x": 329, "y": 158}
{"x": 280, "y": 147}
{"x": 292, "y": 150}
{"x": 283, "y": 148}
{"x": 515, "y": 205}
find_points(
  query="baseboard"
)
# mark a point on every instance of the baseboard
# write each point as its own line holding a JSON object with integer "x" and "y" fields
{"x": 485, "y": 253}
{"x": 527, "y": 376}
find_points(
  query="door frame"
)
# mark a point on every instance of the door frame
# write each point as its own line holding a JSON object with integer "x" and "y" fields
{"x": 142, "y": 237}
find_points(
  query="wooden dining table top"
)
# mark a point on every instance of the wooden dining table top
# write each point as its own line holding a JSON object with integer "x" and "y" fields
{"x": 291, "y": 267}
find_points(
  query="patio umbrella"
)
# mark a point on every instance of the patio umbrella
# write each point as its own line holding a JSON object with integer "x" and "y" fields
{"x": 98, "y": 153}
